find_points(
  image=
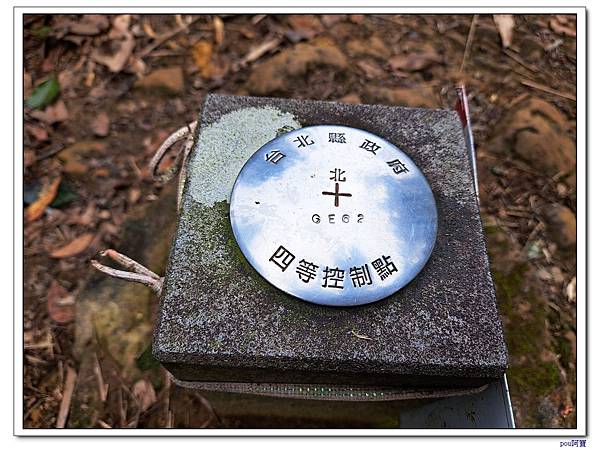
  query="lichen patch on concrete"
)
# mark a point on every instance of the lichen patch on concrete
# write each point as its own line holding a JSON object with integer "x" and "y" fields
{"x": 224, "y": 146}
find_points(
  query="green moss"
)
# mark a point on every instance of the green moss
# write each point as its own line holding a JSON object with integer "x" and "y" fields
{"x": 541, "y": 378}
{"x": 81, "y": 416}
{"x": 218, "y": 245}
{"x": 527, "y": 337}
{"x": 497, "y": 238}
{"x": 509, "y": 286}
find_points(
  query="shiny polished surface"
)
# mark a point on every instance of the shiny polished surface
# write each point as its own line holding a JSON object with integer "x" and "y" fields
{"x": 334, "y": 215}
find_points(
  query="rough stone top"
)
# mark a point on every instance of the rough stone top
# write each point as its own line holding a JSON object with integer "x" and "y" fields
{"x": 220, "y": 321}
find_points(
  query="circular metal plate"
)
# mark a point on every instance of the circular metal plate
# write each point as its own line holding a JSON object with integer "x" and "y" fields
{"x": 334, "y": 215}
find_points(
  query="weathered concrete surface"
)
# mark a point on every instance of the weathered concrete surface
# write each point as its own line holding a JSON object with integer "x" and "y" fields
{"x": 220, "y": 321}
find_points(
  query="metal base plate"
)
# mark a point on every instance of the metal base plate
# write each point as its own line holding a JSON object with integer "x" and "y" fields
{"x": 334, "y": 215}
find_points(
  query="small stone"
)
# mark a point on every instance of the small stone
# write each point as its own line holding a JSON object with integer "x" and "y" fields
{"x": 101, "y": 124}
{"x": 562, "y": 226}
{"x": 169, "y": 80}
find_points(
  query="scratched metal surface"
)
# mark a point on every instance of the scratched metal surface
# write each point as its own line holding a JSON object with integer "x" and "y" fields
{"x": 220, "y": 321}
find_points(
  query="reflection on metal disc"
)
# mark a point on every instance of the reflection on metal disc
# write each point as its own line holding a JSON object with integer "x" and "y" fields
{"x": 334, "y": 215}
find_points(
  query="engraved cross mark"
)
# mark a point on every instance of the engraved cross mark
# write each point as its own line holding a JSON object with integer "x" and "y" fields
{"x": 337, "y": 194}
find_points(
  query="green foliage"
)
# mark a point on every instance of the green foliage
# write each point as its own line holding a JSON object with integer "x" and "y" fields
{"x": 41, "y": 32}
{"x": 64, "y": 196}
{"x": 147, "y": 361}
{"x": 44, "y": 94}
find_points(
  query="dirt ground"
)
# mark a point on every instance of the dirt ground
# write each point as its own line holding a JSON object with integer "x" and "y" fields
{"x": 102, "y": 92}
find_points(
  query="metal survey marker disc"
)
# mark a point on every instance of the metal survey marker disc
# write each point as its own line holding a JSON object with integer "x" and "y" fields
{"x": 334, "y": 215}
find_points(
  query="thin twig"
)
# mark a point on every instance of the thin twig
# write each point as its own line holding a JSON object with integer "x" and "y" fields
{"x": 182, "y": 133}
{"x": 257, "y": 52}
{"x": 103, "y": 424}
{"x": 469, "y": 41}
{"x": 67, "y": 395}
{"x": 128, "y": 263}
{"x": 361, "y": 336}
{"x": 165, "y": 37}
{"x": 102, "y": 387}
{"x": 53, "y": 151}
{"x": 152, "y": 283}
{"x": 122, "y": 410}
{"x": 135, "y": 167}
{"x": 548, "y": 90}
{"x": 138, "y": 274}
{"x": 517, "y": 58}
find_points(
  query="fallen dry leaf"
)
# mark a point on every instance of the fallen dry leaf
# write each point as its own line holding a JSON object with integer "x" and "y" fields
{"x": 74, "y": 247}
{"x": 47, "y": 195}
{"x": 54, "y": 113}
{"x": 305, "y": 26}
{"x": 120, "y": 26}
{"x": 29, "y": 157}
{"x": 371, "y": 70}
{"x": 258, "y": 51}
{"x": 36, "y": 132}
{"x": 61, "y": 305}
{"x": 562, "y": 25}
{"x": 148, "y": 30}
{"x": 137, "y": 66}
{"x": 414, "y": 62}
{"x": 202, "y": 53}
{"x": 87, "y": 217}
{"x": 101, "y": 124}
{"x": 219, "y": 30}
{"x": 89, "y": 25}
{"x": 571, "y": 290}
{"x": 144, "y": 394}
{"x": 27, "y": 85}
{"x": 168, "y": 79}
{"x": 350, "y": 98}
{"x": 117, "y": 61}
{"x": 566, "y": 410}
{"x": 331, "y": 19}
{"x": 505, "y": 24}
